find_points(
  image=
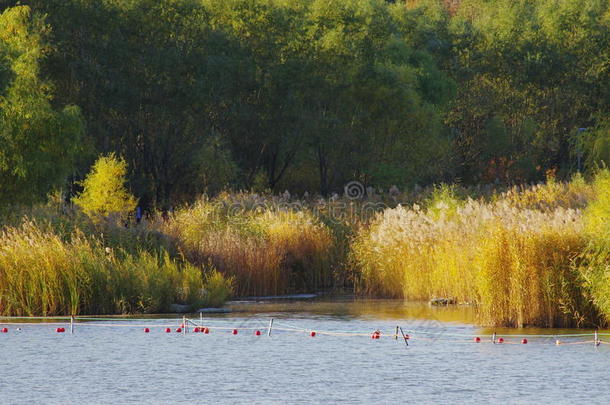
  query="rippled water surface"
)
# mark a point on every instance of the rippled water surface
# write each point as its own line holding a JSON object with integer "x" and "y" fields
{"x": 123, "y": 365}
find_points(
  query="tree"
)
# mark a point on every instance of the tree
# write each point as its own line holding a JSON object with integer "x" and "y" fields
{"x": 538, "y": 68}
{"x": 376, "y": 101}
{"x": 104, "y": 192}
{"x": 310, "y": 94}
{"x": 155, "y": 84}
{"x": 38, "y": 145}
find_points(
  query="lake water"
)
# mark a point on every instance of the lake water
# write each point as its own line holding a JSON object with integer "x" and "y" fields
{"x": 123, "y": 365}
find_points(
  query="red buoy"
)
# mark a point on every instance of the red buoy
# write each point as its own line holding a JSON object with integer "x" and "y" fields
{"x": 477, "y": 340}
{"x": 376, "y": 335}
{"x": 206, "y": 330}
{"x": 196, "y": 330}
{"x": 312, "y": 333}
{"x": 146, "y": 330}
{"x": 235, "y": 331}
{"x": 168, "y": 330}
{"x": 257, "y": 333}
{"x": 58, "y": 330}
{"x": 179, "y": 330}
{"x": 500, "y": 340}
{"x": 524, "y": 341}
{"x": 4, "y": 330}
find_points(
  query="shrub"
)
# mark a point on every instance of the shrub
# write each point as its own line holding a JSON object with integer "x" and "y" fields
{"x": 104, "y": 193}
{"x": 217, "y": 288}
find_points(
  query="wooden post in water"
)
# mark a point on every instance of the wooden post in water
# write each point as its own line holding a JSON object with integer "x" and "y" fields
{"x": 269, "y": 327}
{"x": 596, "y": 339}
{"x": 396, "y": 333}
{"x": 493, "y": 338}
{"x": 404, "y": 336}
{"x": 184, "y": 324}
{"x": 201, "y": 319}
{"x": 72, "y": 324}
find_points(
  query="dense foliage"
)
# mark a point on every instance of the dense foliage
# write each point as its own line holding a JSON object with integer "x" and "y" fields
{"x": 38, "y": 143}
{"x": 199, "y": 95}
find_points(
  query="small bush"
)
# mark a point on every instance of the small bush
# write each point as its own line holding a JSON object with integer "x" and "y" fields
{"x": 217, "y": 288}
{"x": 104, "y": 193}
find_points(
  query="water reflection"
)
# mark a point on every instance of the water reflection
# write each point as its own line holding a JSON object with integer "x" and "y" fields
{"x": 350, "y": 308}
{"x": 357, "y": 308}
{"x": 415, "y": 315}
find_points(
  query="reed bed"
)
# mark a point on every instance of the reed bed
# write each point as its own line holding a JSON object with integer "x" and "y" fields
{"x": 527, "y": 255}
{"x": 576, "y": 193}
{"x": 514, "y": 263}
{"x": 594, "y": 262}
{"x": 42, "y": 273}
{"x": 267, "y": 248}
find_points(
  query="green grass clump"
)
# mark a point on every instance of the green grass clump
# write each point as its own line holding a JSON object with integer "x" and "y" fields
{"x": 218, "y": 288}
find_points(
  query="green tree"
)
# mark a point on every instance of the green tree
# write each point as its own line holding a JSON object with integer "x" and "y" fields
{"x": 538, "y": 66}
{"x": 158, "y": 95}
{"x": 313, "y": 93}
{"x": 377, "y": 101}
{"x": 104, "y": 191}
{"x": 38, "y": 145}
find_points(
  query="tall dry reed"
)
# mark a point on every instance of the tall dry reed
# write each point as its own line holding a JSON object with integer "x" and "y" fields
{"x": 514, "y": 263}
{"x": 594, "y": 262}
{"x": 268, "y": 249}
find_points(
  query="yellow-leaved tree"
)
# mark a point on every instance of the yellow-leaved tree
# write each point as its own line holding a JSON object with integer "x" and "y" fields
{"x": 104, "y": 191}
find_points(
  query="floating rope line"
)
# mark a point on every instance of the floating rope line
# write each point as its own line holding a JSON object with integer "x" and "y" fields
{"x": 509, "y": 335}
{"x": 203, "y": 325}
